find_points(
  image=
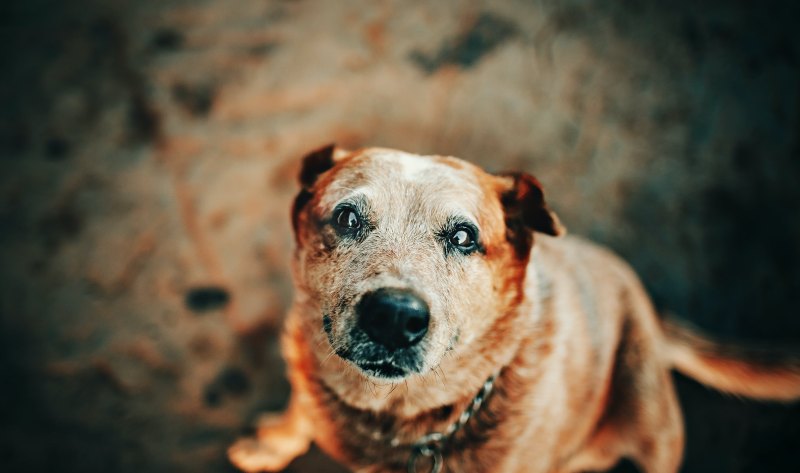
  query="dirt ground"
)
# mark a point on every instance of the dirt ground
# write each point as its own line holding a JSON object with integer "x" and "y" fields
{"x": 147, "y": 159}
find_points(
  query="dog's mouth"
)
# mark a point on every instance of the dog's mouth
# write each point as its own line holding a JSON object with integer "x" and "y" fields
{"x": 389, "y": 367}
{"x": 384, "y": 369}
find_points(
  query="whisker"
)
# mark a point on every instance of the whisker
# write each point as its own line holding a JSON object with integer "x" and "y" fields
{"x": 436, "y": 373}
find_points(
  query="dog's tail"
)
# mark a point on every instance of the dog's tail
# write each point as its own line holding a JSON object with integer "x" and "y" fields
{"x": 755, "y": 372}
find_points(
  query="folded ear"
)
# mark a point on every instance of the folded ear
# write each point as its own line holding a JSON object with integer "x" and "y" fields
{"x": 526, "y": 210}
{"x": 314, "y": 164}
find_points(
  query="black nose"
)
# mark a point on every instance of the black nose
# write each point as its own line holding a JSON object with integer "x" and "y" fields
{"x": 395, "y": 318}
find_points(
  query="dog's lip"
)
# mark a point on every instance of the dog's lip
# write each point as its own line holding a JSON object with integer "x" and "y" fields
{"x": 381, "y": 369}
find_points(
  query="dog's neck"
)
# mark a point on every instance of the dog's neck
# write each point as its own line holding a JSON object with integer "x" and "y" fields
{"x": 382, "y": 437}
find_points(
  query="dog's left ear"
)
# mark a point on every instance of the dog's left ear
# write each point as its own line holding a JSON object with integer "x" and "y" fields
{"x": 523, "y": 201}
{"x": 526, "y": 210}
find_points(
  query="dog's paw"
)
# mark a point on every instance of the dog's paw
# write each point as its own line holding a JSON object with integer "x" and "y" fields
{"x": 252, "y": 455}
{"x": 276, "y": 444}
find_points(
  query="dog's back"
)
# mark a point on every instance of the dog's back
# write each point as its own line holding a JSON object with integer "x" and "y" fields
{"x": 614, "y": 340}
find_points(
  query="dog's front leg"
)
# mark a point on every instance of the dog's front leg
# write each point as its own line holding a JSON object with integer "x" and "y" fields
{"x": 279, "y": 439}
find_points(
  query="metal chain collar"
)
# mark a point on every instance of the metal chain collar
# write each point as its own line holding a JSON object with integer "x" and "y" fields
{"x": 431, "y": 445}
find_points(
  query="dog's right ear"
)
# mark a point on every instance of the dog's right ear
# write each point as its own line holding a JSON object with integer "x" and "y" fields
{"x": 314, "y": 164}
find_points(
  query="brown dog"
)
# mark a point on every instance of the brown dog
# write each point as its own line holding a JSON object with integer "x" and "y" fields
{"x": 429, "y": 330}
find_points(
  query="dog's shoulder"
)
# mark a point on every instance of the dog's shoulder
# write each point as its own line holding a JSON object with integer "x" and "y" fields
{"x": 580, "y": 276}
{"x": 573, "y": 254}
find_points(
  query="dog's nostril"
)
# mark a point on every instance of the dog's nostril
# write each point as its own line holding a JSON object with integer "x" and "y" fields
{"x": 416, "y": 325}
{"x": 395, "y": 318}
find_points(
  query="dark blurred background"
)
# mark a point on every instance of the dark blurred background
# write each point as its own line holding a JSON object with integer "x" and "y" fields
{"x": 147, "y": 159}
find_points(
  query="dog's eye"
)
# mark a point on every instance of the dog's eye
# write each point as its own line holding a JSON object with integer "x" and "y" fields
{"x": 462, "y": 238}
{"x": 347, "y": 219}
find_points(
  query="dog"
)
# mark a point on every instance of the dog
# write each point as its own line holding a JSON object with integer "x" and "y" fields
{"x": 441, "y": 322}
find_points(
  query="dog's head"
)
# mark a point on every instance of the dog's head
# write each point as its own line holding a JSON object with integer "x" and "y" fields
{"x": 407, "y": 257}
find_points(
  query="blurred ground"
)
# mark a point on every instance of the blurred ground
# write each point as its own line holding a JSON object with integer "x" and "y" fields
{"x": 147, "y": 160}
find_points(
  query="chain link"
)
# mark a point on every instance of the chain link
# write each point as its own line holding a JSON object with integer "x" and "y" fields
{"x": 432, "y": 445}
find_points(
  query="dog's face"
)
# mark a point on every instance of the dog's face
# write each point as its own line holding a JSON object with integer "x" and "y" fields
{"x": 409, "y": 257}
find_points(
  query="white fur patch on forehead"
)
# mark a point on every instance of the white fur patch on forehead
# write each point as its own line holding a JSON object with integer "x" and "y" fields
{"x": 451, "y": 187}
{"x": 412, "y": 165}
{"x": 389, "y": 178}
